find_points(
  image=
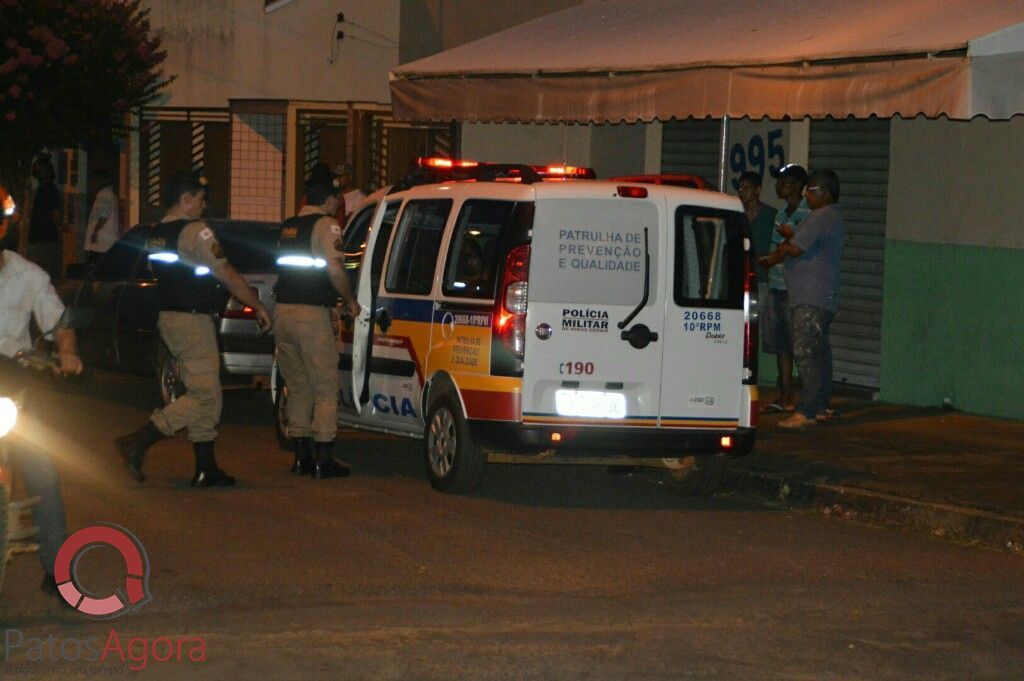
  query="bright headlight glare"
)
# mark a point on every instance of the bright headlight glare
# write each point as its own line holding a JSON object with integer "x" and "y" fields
{"x": 8, "y": 415}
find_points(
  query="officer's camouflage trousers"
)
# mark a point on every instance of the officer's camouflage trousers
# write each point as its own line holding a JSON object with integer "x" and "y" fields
{"x": 307, "y": 355}
{"x": 192, "y": 340}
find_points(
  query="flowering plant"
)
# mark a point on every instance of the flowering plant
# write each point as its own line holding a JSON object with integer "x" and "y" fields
{"x": 70, "y": 71}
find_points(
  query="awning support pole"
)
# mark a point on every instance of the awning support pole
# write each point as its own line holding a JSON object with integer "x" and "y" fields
{"x": 721, "y": 153}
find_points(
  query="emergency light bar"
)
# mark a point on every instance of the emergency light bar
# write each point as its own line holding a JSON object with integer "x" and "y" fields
{"x": 436, "y": 162}
{"x": 430, "y": 169}
{"x": 564, "y": 172}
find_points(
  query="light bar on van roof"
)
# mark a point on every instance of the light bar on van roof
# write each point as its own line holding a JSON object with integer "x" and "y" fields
{"x": 437, "y": 162}
{"x": 562, "y": 171}
{"x": 551, "y": 171}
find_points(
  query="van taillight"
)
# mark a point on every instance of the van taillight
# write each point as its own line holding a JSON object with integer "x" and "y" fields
{"x": 237, "y": 310}
{"x": 509, "y": 324}
{"x": 750, "y": 322}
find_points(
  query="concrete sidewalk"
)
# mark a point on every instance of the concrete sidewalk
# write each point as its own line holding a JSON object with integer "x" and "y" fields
{"x": 952, "y": 475}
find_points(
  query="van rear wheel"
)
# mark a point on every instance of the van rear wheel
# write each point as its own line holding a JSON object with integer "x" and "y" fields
{"x": 453, "y": 461}
{"x": 697, "y": 476}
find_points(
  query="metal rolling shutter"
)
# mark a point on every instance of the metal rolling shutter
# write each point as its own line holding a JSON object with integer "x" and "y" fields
{"x": 692, "y": 146}
{"x": 858, "y": 151}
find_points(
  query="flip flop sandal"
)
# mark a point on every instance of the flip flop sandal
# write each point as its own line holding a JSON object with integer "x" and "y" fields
{"x": 773, "y": 408}
{"x": 792, "y": 424}
{"x": 826, "y": 415}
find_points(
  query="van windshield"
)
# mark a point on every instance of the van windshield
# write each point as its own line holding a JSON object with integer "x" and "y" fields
{"x": 592, "y": 251}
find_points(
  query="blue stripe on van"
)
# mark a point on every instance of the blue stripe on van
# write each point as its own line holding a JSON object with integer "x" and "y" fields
{"x": 408, "y": 309}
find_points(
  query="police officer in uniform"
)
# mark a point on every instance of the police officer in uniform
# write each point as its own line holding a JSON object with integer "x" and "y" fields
{"x": 188, "y": 263}
{"x": 310, "y": 280}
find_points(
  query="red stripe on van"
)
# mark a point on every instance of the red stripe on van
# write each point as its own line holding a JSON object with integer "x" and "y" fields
{"x": 496, "y": 406}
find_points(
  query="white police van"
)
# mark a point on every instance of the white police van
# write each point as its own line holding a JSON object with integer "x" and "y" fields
{"x": 515, "y": 319}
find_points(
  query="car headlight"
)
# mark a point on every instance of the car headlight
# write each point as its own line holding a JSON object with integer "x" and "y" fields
{"x": 8, "y": 415}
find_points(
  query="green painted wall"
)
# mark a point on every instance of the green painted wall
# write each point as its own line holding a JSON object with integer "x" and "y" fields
{"x": 953, "y": 326}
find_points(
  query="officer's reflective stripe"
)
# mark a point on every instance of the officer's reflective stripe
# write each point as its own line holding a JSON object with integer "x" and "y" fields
{"x": 164, "y": 256}
{"x": 301, "y": 261}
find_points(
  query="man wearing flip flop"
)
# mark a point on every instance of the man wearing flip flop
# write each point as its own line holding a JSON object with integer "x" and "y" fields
{"x": 776, "y": 324}
{"x": 812, "y": 258}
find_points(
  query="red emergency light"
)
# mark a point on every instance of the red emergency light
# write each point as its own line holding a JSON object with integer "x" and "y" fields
{"x": 561, "y": 171}
{"x": 438, "y": 162}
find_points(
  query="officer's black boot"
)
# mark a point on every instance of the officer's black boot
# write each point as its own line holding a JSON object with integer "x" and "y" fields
{"x": 207, "y": 473}
{"x": 132, "y": 448}
{"x": 303, "y": 455}
{"x": 325, "y": 465}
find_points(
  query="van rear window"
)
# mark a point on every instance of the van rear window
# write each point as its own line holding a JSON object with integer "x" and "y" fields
{"x": 474, "y": 252}
{"x": 708, "y": 269}
{"x": 592, "y": 251}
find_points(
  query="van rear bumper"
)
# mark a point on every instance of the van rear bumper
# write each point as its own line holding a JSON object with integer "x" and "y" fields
{"x": 517, "y": 438}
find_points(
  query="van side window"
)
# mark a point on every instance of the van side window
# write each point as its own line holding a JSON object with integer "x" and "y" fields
{"x": 472, "y": 263}
{"x": 353, "y": 243}
{"x": 416, "y": 246}
{"x": 708, "y": 269}
{"x": 381, "y": 249}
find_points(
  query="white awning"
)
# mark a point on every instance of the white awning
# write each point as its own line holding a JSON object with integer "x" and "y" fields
{"x": 640, "y": 60}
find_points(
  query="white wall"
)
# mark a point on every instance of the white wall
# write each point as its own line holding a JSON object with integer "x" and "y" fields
{"x": 432, "y": 26}
{"x": 609, "y": 149}
{"x": 224, "y": 49}
{"x": 618, "y": 149}
{"x": 526, "y": 143}
{"x": 957, "y": 182}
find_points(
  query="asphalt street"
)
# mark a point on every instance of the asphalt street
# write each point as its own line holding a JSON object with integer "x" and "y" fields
{"x": 553, "y": 572}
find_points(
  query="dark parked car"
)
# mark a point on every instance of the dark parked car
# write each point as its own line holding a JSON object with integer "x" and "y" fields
{"x": 122, "y": 291}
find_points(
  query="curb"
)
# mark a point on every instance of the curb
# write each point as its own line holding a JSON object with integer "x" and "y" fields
{"x": 943, "y": 521}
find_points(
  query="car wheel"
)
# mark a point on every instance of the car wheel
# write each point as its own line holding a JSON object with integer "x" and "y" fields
{"x": 3, "y": 533}
{"x": 453, "y": 461}
{"x": 168, "y": 373}
{"x": 281, "y": 417}
{"x": 697, "y": 476}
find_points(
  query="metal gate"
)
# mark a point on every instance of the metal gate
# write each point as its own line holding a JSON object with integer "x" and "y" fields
{"x": 692, "y": 146}
{"x": 858, "y": 150}
{"x": 393, "y": 144}
{"x": 174, "y": 139}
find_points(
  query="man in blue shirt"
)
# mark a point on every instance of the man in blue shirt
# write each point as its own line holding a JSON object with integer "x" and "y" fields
{"x": 812, "y": 258}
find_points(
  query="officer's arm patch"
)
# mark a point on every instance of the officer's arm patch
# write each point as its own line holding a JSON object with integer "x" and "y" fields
{"x": 206, "y": 234}
{"x": 335, "y": 228}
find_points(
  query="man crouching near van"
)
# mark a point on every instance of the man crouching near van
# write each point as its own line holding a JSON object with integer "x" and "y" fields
{"x": 310, "y": 278}
{"x": 813, "y": 256}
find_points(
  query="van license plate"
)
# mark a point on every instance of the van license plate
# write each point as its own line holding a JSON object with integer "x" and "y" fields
{"x": 590, "y": 404}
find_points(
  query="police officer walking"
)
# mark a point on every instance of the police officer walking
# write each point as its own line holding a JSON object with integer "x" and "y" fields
{"x": 188, "y": 263}
{"x": 310, "y": 280}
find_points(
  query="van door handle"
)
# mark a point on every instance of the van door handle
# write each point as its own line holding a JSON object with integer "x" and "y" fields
{"x": 640, "y": 336}
{"x": 382, "y": 319}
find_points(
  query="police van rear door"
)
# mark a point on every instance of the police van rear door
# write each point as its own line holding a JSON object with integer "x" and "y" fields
{"x": 704, "y": 324}
{"x": 594, "y": 265}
